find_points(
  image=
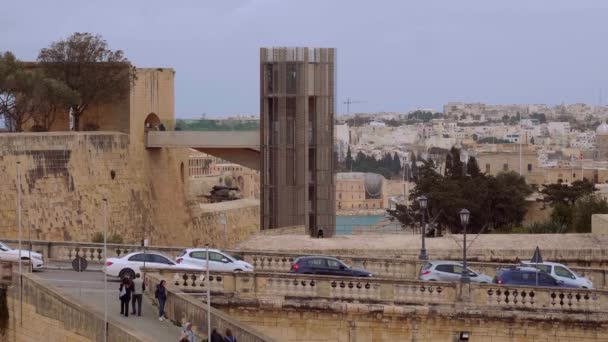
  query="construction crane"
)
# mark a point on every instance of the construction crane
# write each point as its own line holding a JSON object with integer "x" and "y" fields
{"x": 348, "y": 102}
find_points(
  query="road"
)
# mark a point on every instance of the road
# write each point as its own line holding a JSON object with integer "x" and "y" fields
{"x": 88, "y": 288}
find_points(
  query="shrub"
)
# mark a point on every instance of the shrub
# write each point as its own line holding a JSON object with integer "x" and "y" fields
{"x": 112, "y": 238}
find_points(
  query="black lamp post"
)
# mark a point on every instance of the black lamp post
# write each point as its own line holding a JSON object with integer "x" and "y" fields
{"x": 464, "y": 220}
{"x": 422, "y": 202}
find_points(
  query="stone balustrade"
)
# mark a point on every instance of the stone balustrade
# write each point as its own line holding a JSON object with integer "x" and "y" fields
{"x": 523, "y": 298}
{"x": 279, "y": 262}
{"x": 381, "y": 290}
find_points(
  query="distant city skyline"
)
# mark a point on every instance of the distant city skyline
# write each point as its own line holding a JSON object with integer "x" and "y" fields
{"x": 394, "y": 55}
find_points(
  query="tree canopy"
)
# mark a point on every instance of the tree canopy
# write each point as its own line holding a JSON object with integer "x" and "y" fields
{"x": 494, "y": 201}
{"x": 87, "y": 66}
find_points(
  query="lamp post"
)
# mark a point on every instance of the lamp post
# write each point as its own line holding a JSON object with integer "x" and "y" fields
{"x": 464, "y": 220}
{"x": 422, "y": 201}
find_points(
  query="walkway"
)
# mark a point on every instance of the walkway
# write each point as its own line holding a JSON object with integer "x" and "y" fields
{"x": 88, "y": 288}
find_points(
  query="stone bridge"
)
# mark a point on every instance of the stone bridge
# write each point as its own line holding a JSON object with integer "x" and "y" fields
{"x": 242, "y": 148}
{"x": 325, "y": 308}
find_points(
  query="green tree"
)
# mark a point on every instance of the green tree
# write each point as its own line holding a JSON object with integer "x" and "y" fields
{"x": 473, "y": 168}
{"x": 414, "y": 167}
{"x": 454, "y": 167}
{"x": 584, "y": 208}
{"x": 349, "y": 160}
{"x": 396, "y": 164}
{"x": 567, "y": 194}
{"x": 86, "y": 65}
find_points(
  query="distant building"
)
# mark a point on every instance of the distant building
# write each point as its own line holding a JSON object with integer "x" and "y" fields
{"x": 358, "y": 190}
{"x": 601, "y": 141}
{"x": 507, "y": 158}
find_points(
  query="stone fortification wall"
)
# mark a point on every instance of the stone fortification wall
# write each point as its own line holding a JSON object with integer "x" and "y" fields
{"x": 65, "y": 176}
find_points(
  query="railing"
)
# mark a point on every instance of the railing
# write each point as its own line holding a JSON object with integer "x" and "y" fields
{"x": 278, "y": 262}
{"x": 246, "y": 286}
{"x": 282, "y": 286}
{"x": 181, "y": 308}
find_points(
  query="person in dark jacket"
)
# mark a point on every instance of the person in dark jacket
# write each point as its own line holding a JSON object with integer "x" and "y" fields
{"x": 229, "y": 337}
{"x": 125, "y": 296}
{"x": 215, "y": 336}
{"x": 161, "y": 295}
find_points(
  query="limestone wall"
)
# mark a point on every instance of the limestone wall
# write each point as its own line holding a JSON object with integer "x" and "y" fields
{"x": 65, "y": 176}
{"x": 410, "y": 324}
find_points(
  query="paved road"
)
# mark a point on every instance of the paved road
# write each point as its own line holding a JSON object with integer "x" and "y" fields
{"x": 88, "y": 287}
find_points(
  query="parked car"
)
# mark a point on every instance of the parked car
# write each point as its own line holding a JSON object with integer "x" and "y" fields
{"x": 218, "y": 260}
{"x": 528, "y": 276}
{"x": 561, "y": 272}
{"x": 130, "y": 264}
{"x": 325, "y": 266}
{"x": 450, "y": 271}
{"x": 10, "y": 254}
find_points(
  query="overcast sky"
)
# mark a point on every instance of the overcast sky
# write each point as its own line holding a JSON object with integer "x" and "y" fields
{"x": 396, "y": 55}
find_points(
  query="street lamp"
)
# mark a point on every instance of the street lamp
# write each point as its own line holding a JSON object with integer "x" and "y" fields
{"x": 464, "y": 220}
{"x": 422, "y": 202}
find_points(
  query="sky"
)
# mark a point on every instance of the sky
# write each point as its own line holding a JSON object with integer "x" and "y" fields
{"x": 394, "y": 55}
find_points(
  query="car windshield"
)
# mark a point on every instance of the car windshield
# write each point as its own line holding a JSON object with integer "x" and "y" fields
{"x": 4, "y": 247}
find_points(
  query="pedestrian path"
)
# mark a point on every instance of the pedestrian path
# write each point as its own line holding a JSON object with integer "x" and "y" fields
{"x": 88, "y": 288}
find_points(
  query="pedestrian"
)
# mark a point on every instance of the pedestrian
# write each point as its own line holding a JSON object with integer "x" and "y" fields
{"x": 125, "y": 296}
{"x": 184, "y": 338}
{"x": 215, "y": 336}
{"x": 161, "y": 127}
{"x": 229, "y": 337}
{"x": 161, "y": 295}
{"x": 188, "y": 332}
{"x": 137, "y": 294}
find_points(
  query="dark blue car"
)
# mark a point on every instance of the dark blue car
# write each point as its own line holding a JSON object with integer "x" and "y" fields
{"x": 325, "y": 266}
{"x": 527, "y": 276}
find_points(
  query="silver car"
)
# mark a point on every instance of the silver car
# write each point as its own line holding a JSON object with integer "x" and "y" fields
{"x": 449, "y": 271}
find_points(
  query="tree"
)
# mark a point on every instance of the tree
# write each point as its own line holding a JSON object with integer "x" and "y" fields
{"x": 52, "y": 97}
{"x": 349, "y": 160}
{"x": 396, "y": 163}
{"x": 87, "y": 66}
{"x": 473, "y": 168}
{"x": 414, "y": 167}
{"x": 493, "y": 201}
{"x": 454, "y": 167}
{"x": 567, "y": 194}
{"x": 17, "y": 88}
{"x": 584, "y": 208}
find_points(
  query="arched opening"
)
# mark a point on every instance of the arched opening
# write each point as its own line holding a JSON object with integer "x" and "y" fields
{"x": 151, "y": 123}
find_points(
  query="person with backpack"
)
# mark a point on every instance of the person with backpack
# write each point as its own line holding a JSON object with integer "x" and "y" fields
{"x": 161, "y": 295}
{"x": 125, "y": 296}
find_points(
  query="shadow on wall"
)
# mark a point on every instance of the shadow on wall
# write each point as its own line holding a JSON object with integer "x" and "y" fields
{"x": 3, "y": 312}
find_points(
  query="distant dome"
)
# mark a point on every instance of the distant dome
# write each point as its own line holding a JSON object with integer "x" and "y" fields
{"x": 602, "y": 129}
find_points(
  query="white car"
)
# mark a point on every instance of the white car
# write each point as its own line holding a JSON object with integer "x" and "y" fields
{"x": 130, "y": 264}
{"x": 218, "y": 260}
{"x": 563, "y": 273}
{"x": 9, "y": 254}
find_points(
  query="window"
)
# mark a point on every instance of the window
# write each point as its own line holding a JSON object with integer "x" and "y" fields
{"x": 137, "y": 257}
{"x": 319, "y": 263}
{"x": 444, "y": 268}
{"x": 529, "y": 167}
{"x": 216, "y": 256}
{"x": 487, "y": 168}
{"x": 291, "y": 78}
{"x": 457, "y": 269}
{"x": 545, "y": 279}
{"x": 505, "y": 167}
{"x": 334, "y": 264}
{"x": 161, "y": 259}
{"x": 562, "y": 272}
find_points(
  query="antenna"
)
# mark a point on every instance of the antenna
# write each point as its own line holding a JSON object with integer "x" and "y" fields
{"x": 348, "y": 102}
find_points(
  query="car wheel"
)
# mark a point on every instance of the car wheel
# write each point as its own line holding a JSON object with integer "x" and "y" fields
{"x": 127, "y": 272}
{"x": 483, "y": 282}
{"x": 238, "y": 270}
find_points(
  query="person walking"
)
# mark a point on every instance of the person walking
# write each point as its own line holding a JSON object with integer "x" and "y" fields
{"x": 215, "y": 336}
{"x": 161, "y": 295}
{"x": 188, "y": 332}
{"x": 229, "y": 337}
{"x": 125, "y": 296}
{"x": 137, "y": 294}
